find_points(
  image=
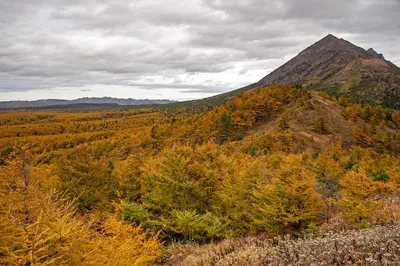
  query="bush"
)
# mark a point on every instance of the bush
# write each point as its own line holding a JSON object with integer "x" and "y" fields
{"x": 358, "y": 199}
{"x": 196, "y": 226}
{"x": 283, "y": 123}
{"x": 380, "y": 175}
{"x": 319, "y": 126}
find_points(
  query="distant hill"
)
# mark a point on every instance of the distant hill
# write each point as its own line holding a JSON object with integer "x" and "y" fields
{"x": 340, "y": 68}
{"x": 81, "y": 102}
{"x": 207, "y": 103}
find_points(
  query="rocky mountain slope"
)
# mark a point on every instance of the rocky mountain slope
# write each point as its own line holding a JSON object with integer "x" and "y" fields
{"x": 340, "y": 68}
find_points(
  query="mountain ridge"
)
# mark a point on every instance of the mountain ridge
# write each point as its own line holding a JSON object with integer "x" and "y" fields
{"x": 83, "y": 100}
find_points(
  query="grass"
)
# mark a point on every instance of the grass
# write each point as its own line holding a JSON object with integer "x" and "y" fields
{"x": 379, "y": 245}
{"x": 353, "y": 78}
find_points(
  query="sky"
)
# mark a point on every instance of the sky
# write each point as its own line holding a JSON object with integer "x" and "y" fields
{"x": 172, "y": 49}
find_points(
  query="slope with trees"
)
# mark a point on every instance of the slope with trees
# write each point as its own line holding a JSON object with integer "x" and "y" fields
{"x": 114, "y": 186}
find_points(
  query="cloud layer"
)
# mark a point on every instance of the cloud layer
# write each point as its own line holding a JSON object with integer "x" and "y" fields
{"x": 179, "y": 46}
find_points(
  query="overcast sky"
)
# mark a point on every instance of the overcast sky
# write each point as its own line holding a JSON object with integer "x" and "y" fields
{"x": 176, "y": 49}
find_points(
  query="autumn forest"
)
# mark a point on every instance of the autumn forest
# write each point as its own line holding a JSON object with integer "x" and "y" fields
{"x": 136, "y": 186}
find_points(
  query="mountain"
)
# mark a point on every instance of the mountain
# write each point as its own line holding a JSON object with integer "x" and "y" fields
{"x": 81, "y": 101}
{"x": 341, "y": 68}
{"x": 334, "y": 66}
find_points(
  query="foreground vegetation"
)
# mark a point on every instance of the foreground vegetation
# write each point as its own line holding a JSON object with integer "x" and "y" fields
{"x": 373, "y": 246}
{"x": 122, "y": 186}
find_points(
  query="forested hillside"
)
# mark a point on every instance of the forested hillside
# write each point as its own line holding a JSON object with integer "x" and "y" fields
{"x": 132, "y": 186}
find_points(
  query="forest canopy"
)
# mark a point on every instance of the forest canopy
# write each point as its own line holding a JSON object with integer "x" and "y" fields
{"x": 117, "y": 186}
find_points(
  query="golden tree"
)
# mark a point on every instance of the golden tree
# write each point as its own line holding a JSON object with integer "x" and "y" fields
{"x": 290, "y": 201}
{"x": 40, "y": 227}
{"x": 358, "y": 196}
{"x": 120, "y": 243}
{"x": 36, "y": 227}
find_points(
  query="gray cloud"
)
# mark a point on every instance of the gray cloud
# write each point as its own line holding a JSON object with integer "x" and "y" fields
{"x": 190, "y": 45}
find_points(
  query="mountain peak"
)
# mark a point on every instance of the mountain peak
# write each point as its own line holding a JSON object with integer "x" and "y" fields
{"x": 328, "y": 40}
{"x": 342, "y": 68}
{"x": 373, "y": 53}
{"x": 330, "y": 37}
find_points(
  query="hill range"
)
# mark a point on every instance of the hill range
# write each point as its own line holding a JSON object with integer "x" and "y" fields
{"x": 89, "y": 101}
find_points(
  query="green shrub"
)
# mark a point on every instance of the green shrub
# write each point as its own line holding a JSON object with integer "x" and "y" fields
{"x": 135, "y": 213}
{"x": 312, "y": 229}
{"x": 138, "y": 215}
{"x": 194, "y": 226}
{"x": 380, "y": 175}
{"x": 364, "y": 224}
{"x": 351, "y": 163}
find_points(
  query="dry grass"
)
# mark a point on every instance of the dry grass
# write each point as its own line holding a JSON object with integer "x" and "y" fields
{"x": 388, "y": 212}
{"x": 379, "y": 245}
{"x": 301, "y": 119}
